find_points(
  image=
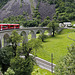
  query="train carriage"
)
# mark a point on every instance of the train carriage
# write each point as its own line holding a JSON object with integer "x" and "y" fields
{"x": 9, "y": 26}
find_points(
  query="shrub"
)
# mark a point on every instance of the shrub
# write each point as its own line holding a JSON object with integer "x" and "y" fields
{"x": 9, "y": 72}
{"x": 22, "y": 66}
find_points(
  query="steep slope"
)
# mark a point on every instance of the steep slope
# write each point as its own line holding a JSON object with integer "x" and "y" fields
{"x": 19, "y": 7}
{"x": 15, "y": 7}
{"x": 46, "y": 9}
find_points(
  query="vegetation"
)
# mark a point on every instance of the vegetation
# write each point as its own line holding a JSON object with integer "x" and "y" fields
{"x": 14, "y": 39}
{"x": 42, "y": 37}
{"x": 66, "y": 66}
{"x": 65, "y": 10}
{"x": 9, "y": 72}
{"x": 9, "y": 56}
{"x": 45, "y": 22}
{"x": 22, "y": 66}
{"x": 53, "y": 25}
{"x": 5, "y": 56}
{"x": 38, "y": 71}
{"x": 56, "y": 46}
{"x": 14, "y": 19}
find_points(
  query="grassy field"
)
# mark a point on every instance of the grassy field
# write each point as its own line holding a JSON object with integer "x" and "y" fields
{"x": 73, "y": 22}
{"x": 56, "y": 45}
{"x": 38, "y": 71}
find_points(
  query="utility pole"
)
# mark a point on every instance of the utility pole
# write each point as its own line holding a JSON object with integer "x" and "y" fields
{"x": 51, "y": 62}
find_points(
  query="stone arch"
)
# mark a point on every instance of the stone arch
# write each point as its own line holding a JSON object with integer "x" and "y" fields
{"x": 41, "y": 31}
{"x": 33, "y": 33}
{"x": 25, "y": 36}
{"x": 5, "y": 38}
{"x": 46, "y": 32}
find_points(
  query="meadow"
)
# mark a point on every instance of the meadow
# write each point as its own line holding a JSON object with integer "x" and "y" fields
{"x": 56, "y": 45}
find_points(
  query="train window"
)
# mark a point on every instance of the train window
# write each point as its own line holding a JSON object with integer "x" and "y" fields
{"x": 11, "y": 26}
{"x": 5, "y": 26}
{"x": 17, "y": 26}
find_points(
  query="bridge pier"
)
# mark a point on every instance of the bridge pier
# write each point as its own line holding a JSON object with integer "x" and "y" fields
{"x": 0, "y": 43}
{"x": 33, "y": 34}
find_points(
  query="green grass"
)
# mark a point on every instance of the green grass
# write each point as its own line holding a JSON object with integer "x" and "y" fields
{"x": 73, "y": 22}
{"x": 38, "y": 71}
{"x": 56, "y": 45}
{"x": 72, "y": 35}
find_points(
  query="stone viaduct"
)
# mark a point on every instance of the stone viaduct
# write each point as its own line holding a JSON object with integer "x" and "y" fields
{"x": 4, "y": 34}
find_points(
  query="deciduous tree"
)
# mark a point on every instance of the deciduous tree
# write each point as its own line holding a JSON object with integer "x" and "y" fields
{"x": 14, "y": 39}
{"x": 53, "y": 24}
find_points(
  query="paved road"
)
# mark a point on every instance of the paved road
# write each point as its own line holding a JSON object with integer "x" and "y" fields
{"x": 43, "y": 63}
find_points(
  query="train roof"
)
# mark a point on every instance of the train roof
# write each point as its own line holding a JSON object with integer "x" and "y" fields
{"x": 8, "y": 24}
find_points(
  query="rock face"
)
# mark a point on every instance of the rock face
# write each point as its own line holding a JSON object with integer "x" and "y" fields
{"x": 17, "y": 7}
{"x": 46, "y": 9}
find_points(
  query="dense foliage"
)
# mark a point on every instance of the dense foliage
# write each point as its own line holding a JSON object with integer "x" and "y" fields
{"x": 67, "y": 65}
{"x": 65, "y": 10}
{"x": 11, "y": 54}
{"x": 22, "y": 66}
{"x": 14, "y": 39}
{"x": 9, "y": 72}
{"x": 53, "y": 25}
{"x": 5, "y": 56}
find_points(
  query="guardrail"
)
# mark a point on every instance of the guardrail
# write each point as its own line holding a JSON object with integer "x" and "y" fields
{"x": 43, "y": 63}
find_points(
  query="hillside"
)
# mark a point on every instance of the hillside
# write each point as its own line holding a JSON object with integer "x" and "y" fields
{"x": 15, "y": 7}
{"x": 46, "y": 9}
{"x": 20, "y": 7}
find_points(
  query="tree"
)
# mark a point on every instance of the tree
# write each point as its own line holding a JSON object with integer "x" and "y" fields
{"x": 22, "y": 66}
{"x": 45, "y": 23}
{"x": 42, "y": 37}
{"x": 25, "y": 66}
{"x": 5, "y": 56}
{"x": 67, "y": 65}
{"x": 48, "y": 18}
{"x": 53, "y": 25}
{"x": 29, "y": 46}
{"x": 14, "y": 39}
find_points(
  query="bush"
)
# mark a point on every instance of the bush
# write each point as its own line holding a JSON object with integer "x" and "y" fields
{"x": 5, "y": 56}
{"x": 22, "y": 66}
{"x": 67, "y": 65}
{"x": 9, "y": 72}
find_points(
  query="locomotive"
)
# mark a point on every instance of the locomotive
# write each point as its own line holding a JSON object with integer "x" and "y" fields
{"x": 9, "y": 26}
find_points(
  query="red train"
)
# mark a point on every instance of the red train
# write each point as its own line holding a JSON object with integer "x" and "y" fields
{"x": 9, "y": 26}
